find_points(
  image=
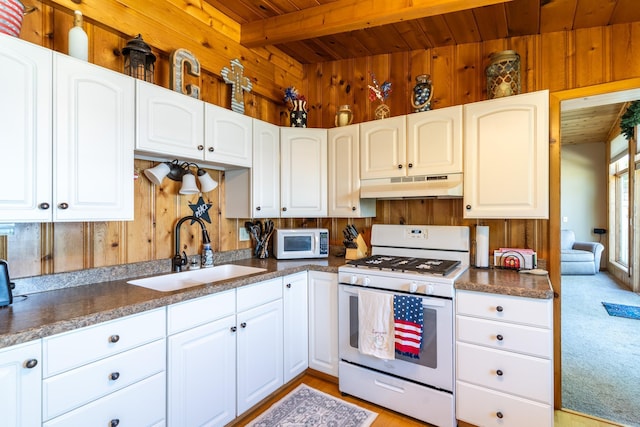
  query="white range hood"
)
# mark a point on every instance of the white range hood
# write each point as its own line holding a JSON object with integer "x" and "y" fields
{"x": 435, "y": 186}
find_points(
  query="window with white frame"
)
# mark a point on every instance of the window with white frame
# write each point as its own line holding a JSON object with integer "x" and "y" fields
{"x": 619, "y": 214}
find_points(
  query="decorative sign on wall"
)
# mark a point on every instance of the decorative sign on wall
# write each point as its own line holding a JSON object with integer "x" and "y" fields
{"x": 238, "y": 82}
{"x": 180, "y": 58}
{"x": 201, "y": 210}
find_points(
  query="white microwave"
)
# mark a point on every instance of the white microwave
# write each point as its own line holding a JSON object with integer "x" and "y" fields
{"x": 295, "y": 243}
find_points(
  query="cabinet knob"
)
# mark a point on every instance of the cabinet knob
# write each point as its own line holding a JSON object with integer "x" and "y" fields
{"x": 353, "y": 208}
{"x": 44, "y": 206}
{"x": 114, "y": 338}
{"x": 243, "y": 324}
{"x": 499, "y": 337}
{"x": 410, "y": 165}
{"x": 499, "y": 372}
{"x": 211, "y": 149}
{"x": 63, "y": 205}
{"x": 31, "y": 363}
{"x": 114, "y": 376}
{"x": 200, "y": 147}
{"x": 288, "y": 285}
{"x": 468, "y": 207}
{"x": 399, "y": 166}
{"x": 258, "y": 208}
{"x": 499, "y": 414}
{"x": 284, "y": 209}
{"x": 114, "y": 422}
{"x": 233, "y": 329}
{"x": 499, "y": 309}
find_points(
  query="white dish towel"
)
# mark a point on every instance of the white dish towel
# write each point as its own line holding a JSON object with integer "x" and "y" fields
{"x": 376, "y": 333}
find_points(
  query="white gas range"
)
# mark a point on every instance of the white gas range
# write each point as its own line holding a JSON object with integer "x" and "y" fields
{"x": 419, "y": 261}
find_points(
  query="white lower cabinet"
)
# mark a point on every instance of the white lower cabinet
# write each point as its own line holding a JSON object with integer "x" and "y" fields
{"x": 21, "y": 384}
{"x": 201, "y": 361}
{"x": 323, "y": 322}
{"x": 296, "y": 325}
{"x": 106, "y": 374}
{"x": 259, "y": 342}
{"x": 504, "y": 360}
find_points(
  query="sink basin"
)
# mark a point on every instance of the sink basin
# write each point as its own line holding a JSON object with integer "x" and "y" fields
{"x": 187, "y": 279}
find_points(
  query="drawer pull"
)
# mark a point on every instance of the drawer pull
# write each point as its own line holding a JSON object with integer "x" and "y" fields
{"x": 243, "y": 324}
{"x": 499, "y": 308}
{"x": 114, "y": 338}
{"x": 114, "y": 422}
{"x": 288, "y": 285}
{"x": 233, "y": 329}
{"x": 499, "y": 372}
{"x": 114, "y": 376}
{"x": 31, "y": 363}
{"x": 499, "y": 337}
{"x": 499, "y": 414}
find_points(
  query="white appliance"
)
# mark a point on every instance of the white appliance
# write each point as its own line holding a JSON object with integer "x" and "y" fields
{"x": 423, "y": 261}
{"x": 296, "y": 243}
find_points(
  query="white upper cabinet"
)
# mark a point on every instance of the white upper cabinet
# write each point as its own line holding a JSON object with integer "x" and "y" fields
{"x": 434, "y": 142}
{"x": 169, "y": 123}
{"x": 26, "y": 123}
{"x": 228, "y": 136}
{"x": 383, "y": 148}
{"x": 344, "y": 175}
{"x": 93, "y": 142}
{"x": 506, "y": 157}
{"x": 303, "y": 172}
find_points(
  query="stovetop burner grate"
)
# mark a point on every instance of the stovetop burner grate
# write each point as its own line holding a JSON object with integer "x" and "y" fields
{"x": 406, "y": 264}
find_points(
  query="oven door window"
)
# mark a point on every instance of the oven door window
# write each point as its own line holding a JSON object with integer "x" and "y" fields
{"x": 429, "y": 349}
{"x": 298, "y": 243}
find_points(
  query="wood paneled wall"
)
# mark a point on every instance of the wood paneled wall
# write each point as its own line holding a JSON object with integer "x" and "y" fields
{"x": 555, "y": 61}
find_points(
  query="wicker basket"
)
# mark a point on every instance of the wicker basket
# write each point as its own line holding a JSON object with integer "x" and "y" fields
{"x": 11, "y": 14}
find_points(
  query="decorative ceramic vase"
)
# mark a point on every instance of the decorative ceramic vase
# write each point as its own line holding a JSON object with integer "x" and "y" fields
{"x": 503, "y": 74}
{"x": 422, "y": 92}
{"x": 298, "y": 114}
{"x": 344, "y": 116}
{"x": 383, "y": 111}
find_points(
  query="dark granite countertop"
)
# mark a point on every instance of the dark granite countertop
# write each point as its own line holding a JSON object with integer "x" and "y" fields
{"x": 507, "y": 282}
{"x": 47, "y": 313}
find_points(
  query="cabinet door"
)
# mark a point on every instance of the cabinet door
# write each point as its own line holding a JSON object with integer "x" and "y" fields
{"x": 383, "y": 148}
{"x": 434, "y": 142}
{"x": 201, "y": 375}
{"x": 169, "y": 123}
{"x": 259, "y": 359}
{"x": 93, "y": 143}
{"x": 344, "y": 174}
{"x": 227, "y": 136}
{"x": 296, "y": 325}
{"x": 25, "y": 120}
{"x": 265, "y": 174}
{"x": 323, "y": 322}
{"x": 506, "y": 157}
{"x": 303, "y": 172}
{"x": 21, "y": 385}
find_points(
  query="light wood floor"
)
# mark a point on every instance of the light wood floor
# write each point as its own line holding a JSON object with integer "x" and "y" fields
{"x": 388, "y": 418}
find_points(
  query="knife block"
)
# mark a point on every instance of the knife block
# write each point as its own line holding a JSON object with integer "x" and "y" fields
{"x": 356, "y": 253}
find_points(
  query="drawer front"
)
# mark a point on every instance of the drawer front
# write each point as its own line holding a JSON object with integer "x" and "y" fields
{"x": 482, "y": 407}
{"x": 142, "y": 404}
{"x": 505, "y": 336}
{"x": 196, "y": 312}
{"x": 81, "y": 346}
{"x": 525, "y": 376}
{"x": 72, "y": 389}
{"x": 259, "y": 293}
{"x": 526, "y": 311}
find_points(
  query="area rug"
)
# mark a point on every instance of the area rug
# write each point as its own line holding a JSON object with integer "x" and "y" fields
{"x": 619, "y": 310}
{"x": 306, "y": 406}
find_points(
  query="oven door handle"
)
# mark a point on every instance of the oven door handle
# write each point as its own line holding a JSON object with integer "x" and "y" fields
{"x": 426, "y": 302}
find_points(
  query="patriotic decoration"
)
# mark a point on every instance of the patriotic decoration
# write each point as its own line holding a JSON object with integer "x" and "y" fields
{"x": 408, "y": 322}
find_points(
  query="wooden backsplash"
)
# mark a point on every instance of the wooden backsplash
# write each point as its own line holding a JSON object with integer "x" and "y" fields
{"x": 554, "y": 61}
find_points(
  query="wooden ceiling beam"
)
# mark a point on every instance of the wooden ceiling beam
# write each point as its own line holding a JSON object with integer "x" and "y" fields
{"x": 347, "y": 15}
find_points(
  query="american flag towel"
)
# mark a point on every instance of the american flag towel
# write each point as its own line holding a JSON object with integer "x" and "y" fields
{"x": 408, "y": 321}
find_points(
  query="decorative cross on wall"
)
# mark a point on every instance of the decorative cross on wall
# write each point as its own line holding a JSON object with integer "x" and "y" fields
{"x": 238, "y": 82}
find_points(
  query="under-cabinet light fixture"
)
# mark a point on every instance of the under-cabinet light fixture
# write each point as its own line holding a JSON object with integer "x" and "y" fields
{"x": 177, "y": 171}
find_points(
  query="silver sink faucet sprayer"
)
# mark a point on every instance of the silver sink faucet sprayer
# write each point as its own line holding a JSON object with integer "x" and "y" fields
{"x": 180, "y": 260}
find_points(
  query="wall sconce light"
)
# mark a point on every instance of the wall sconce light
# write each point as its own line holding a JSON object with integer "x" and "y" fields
{"x": 177, "y": 171}
{"x": 138, "y": 59}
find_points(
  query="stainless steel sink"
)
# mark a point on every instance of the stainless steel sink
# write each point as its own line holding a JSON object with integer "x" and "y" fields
{"x": 187, "y": 279}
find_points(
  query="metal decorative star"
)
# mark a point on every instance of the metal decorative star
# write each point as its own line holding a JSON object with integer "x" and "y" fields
{"x": 201, "y": 210}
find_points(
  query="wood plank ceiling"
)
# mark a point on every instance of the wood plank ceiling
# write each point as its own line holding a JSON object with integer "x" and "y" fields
{"x": 313, "y": 31}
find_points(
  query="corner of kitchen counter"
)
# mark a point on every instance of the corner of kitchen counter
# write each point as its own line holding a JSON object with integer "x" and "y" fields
{"x": 506, "y": 282}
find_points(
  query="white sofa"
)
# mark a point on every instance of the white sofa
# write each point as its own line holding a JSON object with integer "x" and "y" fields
{"x": 578, "y": 257}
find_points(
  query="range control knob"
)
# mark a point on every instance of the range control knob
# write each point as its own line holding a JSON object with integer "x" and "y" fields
{"x": 366, "y": 281}
{"x": 431, "y": 290}
{"x": 413, "y": 287}
{"x": 354, "y": 279}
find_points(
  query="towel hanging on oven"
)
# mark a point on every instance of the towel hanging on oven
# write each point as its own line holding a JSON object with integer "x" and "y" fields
{"x": 409, "y": 323}
{"x": 375, "y": 324}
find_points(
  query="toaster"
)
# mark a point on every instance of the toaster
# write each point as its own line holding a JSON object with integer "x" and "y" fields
{"x": 6, "y": 296}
